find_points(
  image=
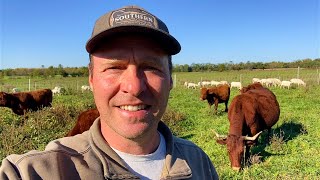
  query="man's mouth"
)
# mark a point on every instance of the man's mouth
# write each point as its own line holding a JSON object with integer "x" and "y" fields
{"x": 134, "y": 108}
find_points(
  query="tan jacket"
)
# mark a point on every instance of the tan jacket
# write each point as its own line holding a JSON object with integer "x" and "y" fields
{"x": 88, "y": 156}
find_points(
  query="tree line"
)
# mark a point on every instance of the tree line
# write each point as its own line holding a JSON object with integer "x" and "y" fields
{"x": 207, "y": 67}
{"x": 52, "y": 71}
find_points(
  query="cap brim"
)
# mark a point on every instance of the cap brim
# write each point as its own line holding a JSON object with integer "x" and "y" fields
{"x": 168, "y": 42}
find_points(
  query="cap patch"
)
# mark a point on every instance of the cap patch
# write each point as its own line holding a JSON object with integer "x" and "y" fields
{"x": 132, "y": 16}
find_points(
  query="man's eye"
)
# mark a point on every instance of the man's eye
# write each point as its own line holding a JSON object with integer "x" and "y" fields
{"x": 115, "y": 68}
{"x": 151, "y": 68}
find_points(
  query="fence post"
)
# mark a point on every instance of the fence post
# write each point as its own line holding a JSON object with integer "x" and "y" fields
{"x": 175, "y": 80}
{"x": 298, "y": 75}
{"x": 29, "y": 84}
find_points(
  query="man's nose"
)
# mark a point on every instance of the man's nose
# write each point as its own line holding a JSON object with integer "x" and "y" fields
{"x": 133, "y": 81}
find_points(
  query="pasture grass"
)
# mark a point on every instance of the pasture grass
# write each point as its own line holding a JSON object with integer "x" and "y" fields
{"x": 293, "y": 152}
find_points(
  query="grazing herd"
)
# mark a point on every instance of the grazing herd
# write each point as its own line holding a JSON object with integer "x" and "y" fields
{"x": 252, "y": 111}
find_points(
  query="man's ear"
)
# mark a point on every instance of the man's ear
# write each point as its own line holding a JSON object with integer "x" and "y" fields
{"x": 90, "y": 82}
{"x": 171, "y": 82}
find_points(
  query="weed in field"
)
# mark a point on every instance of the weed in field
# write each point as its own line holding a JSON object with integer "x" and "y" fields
{"x": 173, "y": 119}
{"x": 277, "y": 141}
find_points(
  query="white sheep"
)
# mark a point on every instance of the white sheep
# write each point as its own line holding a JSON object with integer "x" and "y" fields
{"x": 224, "y": 82}
{"x": 236, "y": 85}
{"x": 275, "y": 82}
{"x": 58, "y": 90}
{"x": 15, "y": 90}
{"x": 285, "y": 84}
{"x": 215, "y": 83}
{"x": 254, "y": 80}
{"x": 298, "y": 82}
{"x": 85, "y": 88}
{"x": 192, "y": 85}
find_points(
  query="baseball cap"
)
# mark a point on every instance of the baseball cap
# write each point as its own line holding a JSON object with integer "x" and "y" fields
{"x": 132, "y": 19}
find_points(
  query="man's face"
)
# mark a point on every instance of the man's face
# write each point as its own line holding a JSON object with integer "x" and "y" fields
{"x": 131, "y": 84}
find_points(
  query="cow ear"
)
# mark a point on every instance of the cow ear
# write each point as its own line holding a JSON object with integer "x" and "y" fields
{"x": 222, "y": 141}
{"x": 209, "y": 91}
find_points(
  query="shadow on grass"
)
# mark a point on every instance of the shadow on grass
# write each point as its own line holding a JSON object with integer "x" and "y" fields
{"x": 187, "y": 136}
{"x": 278, "y": 136}
{"x": 219, "y": 113}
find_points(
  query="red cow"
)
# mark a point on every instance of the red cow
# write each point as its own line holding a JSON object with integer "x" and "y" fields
{"x": 249, "y": 113}
{"x": 22, "y": 102}
{"x": 216, "y": 95}
{"x": 255, "y": 85}
{"x": 84, "y": 122}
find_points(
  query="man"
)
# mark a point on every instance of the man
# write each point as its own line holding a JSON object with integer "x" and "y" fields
{"x": 130, "y": 76}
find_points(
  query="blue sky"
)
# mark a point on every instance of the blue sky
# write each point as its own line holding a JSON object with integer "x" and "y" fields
{"x": 42, "y": 32}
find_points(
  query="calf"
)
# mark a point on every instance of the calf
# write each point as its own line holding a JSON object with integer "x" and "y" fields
{"x": 23, "y": 101}
{"x": 84, "y": 121}
{"x": 216, "y": 95}
{"x": 250, "y": 113}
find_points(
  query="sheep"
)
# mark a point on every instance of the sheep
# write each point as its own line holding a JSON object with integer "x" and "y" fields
{"x": 236, "y": 84}
{"x": 286, "y": 84}
{"x": 15, "y": 90}
{"x": 298, "y": 82}
{"x": 58, "y": 90}
{"x": 85, "y": 88}
{"x": 254, "y": 80}
{"x": 192, "y": 85}
{"x": 215, "y": 83}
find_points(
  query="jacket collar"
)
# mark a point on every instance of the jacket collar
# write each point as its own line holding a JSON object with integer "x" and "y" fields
{"x": 114, "y": 168}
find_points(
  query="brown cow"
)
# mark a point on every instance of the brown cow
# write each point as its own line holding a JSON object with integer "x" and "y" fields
{"x": 215, "y": 95}
{"x": 84, "y": 122}
{"x": 22, "y": 102}
{"x": 255, "y": 85}
{"x": 249, "y": 114}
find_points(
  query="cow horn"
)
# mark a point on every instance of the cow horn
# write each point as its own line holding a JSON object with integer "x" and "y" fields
{"x": 252, "y": 138}
{"x": 219, "y": 136}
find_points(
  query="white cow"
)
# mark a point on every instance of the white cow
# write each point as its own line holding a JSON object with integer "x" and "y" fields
{"x": 85, "y": 88}
{"x": 236, "y": 85}
{"x": 285, "y": 84}
{"x": 298, "y": 82}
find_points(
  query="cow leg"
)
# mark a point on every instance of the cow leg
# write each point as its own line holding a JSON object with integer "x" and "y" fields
{"x": 226, "y": 109}
{"x": 268, "y": 136}
{"x": 215, "y": 106}
{"x": 246, "y": 156}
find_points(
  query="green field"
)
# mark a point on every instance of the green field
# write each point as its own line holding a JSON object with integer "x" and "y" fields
{"x": 293, "y": 153}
